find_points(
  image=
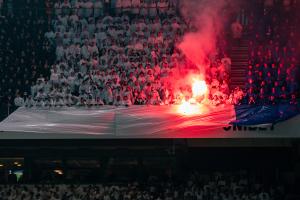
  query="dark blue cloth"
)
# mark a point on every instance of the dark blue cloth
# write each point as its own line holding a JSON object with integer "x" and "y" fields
{"x": 264, "y": 114}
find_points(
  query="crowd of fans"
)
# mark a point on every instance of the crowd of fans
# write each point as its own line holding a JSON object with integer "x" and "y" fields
{"x": 122, "y": 59}
{"x": 225, "y": 186}
{"x": 93, "y": 53}
{"x": 24, "y": 56}
{"x": 273, "y": 71}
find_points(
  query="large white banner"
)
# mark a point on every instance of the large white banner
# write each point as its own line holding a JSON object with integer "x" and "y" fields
{"x": 135, "y": 122}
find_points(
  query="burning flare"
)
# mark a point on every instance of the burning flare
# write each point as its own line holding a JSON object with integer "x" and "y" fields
{"x": 186, "y": 108}
{"x": 192, "y": 106}
{"x": 199, "y": 88}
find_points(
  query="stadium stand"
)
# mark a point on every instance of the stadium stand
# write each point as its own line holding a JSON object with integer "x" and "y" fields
{"x": 122, "y": 59}
{"x": 273, "y": 71}
{"x": 67, "y": 53}
{"x": 92, "y": 53}
{"x": 197, "y": 186}
{"x": 199, "y": 173}
{"x": 24, "y": 55}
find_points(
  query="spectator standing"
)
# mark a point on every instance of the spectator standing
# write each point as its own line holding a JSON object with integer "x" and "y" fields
{"x": 18, "y": 101}
{"x": 236, "y": 30}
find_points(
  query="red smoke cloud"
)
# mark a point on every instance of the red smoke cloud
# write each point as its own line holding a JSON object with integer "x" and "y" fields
{"x": 206, "y": 16}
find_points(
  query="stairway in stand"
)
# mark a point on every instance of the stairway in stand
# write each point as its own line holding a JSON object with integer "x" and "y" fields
{"x": 239, "y": 59}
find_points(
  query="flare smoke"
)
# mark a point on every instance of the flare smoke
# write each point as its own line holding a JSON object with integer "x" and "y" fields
{"x": 207, "y": 16}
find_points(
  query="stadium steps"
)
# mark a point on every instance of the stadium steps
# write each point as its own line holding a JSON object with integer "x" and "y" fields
{"x": 239, "y": 58}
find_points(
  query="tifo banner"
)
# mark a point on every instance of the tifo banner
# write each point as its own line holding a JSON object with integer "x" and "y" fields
{"x": 151, "y": 122}
{"x": 266, "y": 114}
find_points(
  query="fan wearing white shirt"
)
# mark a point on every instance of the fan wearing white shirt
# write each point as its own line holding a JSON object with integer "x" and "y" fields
{"x": 40, "y": 95}
{"x": 57, "y": 8}
{"x": 93, "y": 49}
{"x": 29, "y": 102}
{"x": 163, "y": 6}
{"x": 39, "y": 103}
{"x": 59, "y": 102}
{"x": 143, "y": 8}
{"x": 136, "y": 6}
{"x": 50, "y": 35}
{"x": 152, "y": 8}
{"x": 84, "y": 51}
{"x": 19, "y": 101}
{"x": 126, "y": 5}
{"x": 88, "y": 8}
{"x": 119, "y": 6}
{"x": 79, "y": 6}
{"x": 60, "y": 52}
{"x": 99, "y": 102}
{"x": 46, "y": 103}
{"x": 108, "y": 95}
{"x": 98, "y": 8}
{"x": 126, "y": 101}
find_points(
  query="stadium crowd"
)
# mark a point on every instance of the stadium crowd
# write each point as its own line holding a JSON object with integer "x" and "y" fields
{"x": 273, "y": 71}
{"x": 123, "y": 59}
{"x": 24, "y": 56}
{"x": 225, "y": 186}
{"x": 123, "y": 52}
